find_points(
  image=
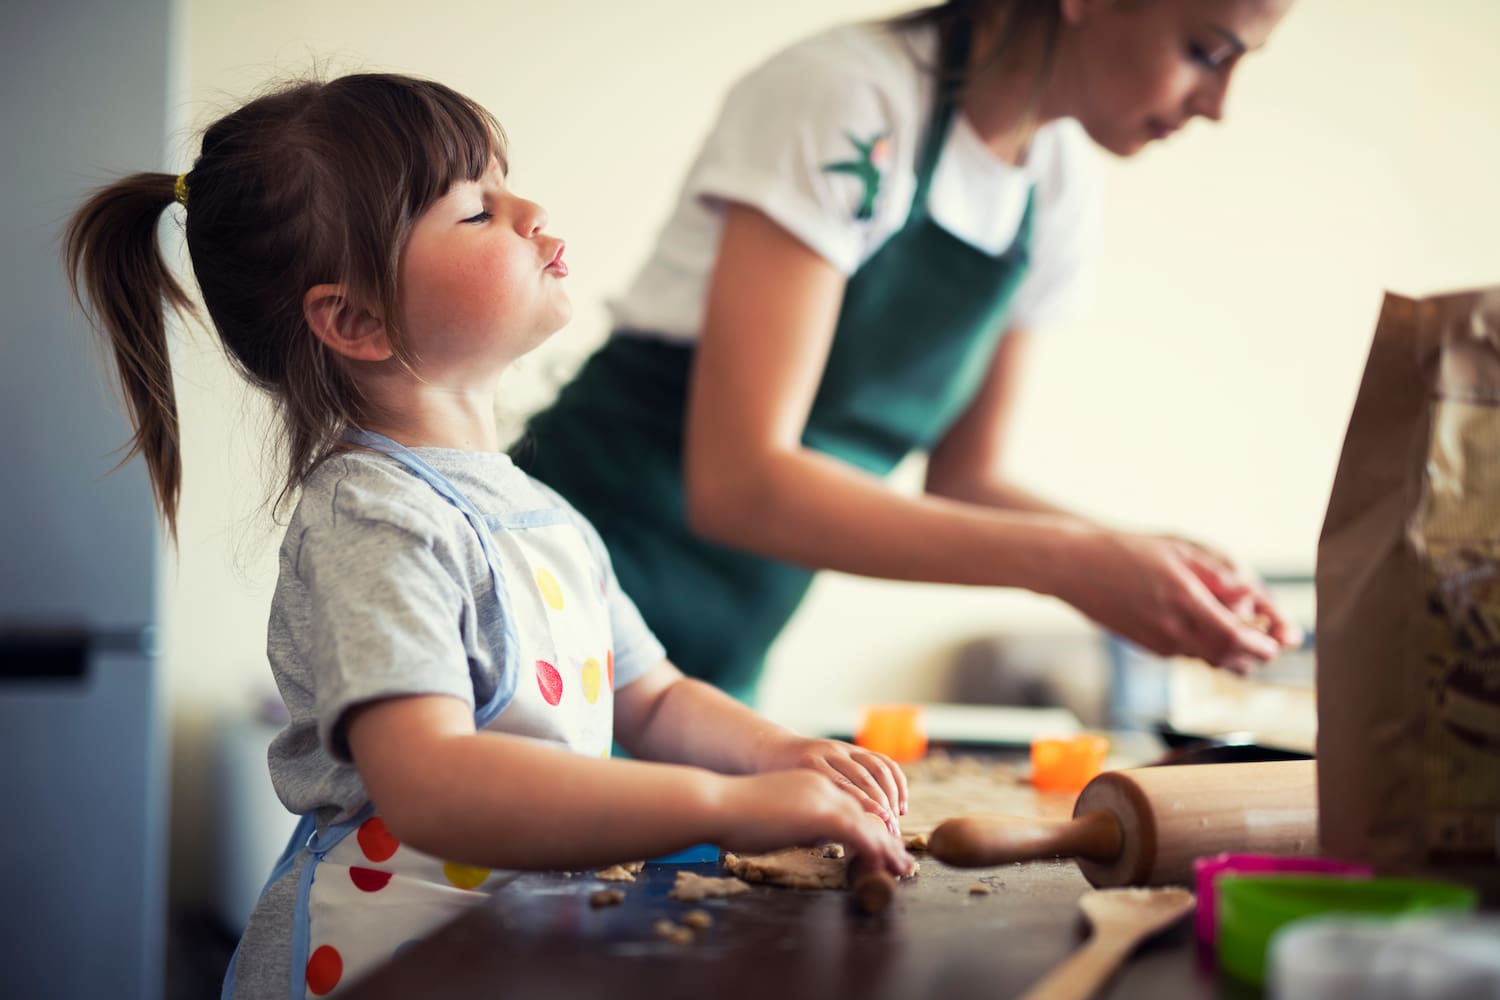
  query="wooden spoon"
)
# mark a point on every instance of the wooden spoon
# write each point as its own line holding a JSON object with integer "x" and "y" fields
{"x": 1121, "y": 918}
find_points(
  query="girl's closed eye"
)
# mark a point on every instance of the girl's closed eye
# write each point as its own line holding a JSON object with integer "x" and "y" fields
{"x": 483, "y": 215}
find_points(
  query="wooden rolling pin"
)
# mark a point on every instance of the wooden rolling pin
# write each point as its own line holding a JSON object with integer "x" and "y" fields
{"x": 1145, "y": 826}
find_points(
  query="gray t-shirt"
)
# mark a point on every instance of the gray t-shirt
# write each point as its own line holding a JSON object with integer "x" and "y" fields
{"x": 385, "y": 590}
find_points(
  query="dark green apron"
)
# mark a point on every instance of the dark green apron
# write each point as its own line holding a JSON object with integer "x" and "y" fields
{"x": 918, "y": 328}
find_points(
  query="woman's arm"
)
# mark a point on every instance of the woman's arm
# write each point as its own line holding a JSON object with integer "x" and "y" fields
{"x": 968, "y": 464}
{"x": 506, "y": 801}
{"x": 772, "y": 309}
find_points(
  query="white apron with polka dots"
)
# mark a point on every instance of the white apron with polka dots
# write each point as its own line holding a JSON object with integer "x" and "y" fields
{"x": 364, "y": 894}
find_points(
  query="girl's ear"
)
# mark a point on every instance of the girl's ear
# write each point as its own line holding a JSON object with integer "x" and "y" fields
{"x": 346, "y": 327}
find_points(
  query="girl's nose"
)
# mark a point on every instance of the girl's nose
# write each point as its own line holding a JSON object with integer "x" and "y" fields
{"x": 532, "y": 219}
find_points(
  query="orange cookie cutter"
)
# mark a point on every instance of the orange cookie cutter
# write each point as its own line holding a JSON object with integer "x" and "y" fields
{"x": 898, "y": 731}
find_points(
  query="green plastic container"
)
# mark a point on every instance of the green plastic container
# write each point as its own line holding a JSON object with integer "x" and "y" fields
{"x": 1253, "y": 907}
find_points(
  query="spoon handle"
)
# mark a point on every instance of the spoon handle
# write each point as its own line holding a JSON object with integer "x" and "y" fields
{"x": 1080, "y": 975}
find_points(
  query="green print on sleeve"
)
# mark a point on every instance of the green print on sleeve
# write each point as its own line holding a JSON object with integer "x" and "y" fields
{"x": 872, "y": 157}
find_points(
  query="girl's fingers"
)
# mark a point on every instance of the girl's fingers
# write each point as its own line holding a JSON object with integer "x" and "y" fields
{"x": 882, "y": 852}
{"x": 890, "y": 777}
{"x": 857, "y": 782}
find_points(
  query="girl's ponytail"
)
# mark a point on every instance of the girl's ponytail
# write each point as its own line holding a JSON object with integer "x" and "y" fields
{"x": 118, "y": 275}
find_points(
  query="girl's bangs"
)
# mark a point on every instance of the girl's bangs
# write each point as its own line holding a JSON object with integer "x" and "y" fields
{"x": 454, "y": 140}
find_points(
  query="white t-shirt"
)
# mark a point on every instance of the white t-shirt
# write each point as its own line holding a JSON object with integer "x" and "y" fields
{"x": 786, "y": 121}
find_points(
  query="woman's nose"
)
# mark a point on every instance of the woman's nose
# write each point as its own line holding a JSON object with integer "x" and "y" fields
{"x": 1208, "y": 100}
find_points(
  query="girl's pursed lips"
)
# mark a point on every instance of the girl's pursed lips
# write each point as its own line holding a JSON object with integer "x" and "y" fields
{"x": 557, "y": 264}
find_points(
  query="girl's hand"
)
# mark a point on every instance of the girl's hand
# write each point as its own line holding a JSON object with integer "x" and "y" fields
{"x": 1175, "y": 598}
{"x": 798, "y": 808}
{"x": 874, "y": 780}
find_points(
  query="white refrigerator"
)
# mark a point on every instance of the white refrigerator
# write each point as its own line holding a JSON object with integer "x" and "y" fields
{"x": 82, "y": 735}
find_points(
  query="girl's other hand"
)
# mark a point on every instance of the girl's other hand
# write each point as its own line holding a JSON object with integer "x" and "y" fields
{"x": 800, "y": 808}
{"x": 1175, "y": 598}
{"x": 875, "y": 781}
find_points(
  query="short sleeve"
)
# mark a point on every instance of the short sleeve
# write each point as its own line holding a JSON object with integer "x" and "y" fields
{"x": 1060, "y": 284}
{"x": 814, "y": 145}
{"x": 383, "y": 620}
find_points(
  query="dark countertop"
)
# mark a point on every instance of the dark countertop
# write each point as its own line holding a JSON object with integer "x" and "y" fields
{"x": 538, "y": 937}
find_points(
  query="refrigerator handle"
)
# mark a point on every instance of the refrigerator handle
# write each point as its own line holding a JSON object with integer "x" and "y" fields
{"x": 63, "y": 654}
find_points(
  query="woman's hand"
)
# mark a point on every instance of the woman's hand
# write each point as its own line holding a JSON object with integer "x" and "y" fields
{"x": 1175, "y": 598}
{"x": 1241, "y": 591}
{"x": 766, "y": 812}
{"x": 874, "y": 780}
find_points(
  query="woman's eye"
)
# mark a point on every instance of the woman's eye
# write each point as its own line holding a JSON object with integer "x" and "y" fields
{"x": 481, "y": 217}
{"x": 1208, "y": 59}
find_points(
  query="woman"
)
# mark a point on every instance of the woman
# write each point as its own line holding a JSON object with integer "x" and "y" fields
{"x": 879, "y": 219}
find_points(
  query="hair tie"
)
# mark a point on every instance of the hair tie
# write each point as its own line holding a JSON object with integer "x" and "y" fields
{"x": 179, "y": 190}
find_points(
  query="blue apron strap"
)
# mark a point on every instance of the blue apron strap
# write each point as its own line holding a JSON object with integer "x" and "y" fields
{"x": 417, "y": 466}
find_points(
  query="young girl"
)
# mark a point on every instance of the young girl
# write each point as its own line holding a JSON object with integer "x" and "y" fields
{"x": 874, "y": 227}
{"x": 448, "y": 635}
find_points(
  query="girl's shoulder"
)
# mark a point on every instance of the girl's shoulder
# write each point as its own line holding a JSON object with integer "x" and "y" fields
{"x": 351, "y": 488}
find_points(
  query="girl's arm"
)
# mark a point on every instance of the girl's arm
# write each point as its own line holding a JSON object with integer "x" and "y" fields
{"x": 772, "y": 308}
{"x": 505, "y": 801}
{"x": 666, "y": 716}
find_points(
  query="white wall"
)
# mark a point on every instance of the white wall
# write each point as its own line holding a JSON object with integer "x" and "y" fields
{"x": 1241, "y": 272}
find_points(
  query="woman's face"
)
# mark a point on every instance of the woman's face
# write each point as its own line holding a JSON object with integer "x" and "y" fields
{"x": 1135, "y": 71}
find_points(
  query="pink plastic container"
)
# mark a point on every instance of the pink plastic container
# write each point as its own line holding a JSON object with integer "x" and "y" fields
{"x": 1207, "y": 870}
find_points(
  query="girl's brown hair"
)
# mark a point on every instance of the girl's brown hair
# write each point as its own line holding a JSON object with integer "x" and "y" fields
{"x": 312, "y": 183}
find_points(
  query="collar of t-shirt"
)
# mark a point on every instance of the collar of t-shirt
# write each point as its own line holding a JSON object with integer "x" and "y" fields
{"x": 978, "y": 197}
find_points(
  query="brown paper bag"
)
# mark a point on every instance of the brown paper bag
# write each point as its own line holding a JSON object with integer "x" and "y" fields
{"x": 1408, "y": 593}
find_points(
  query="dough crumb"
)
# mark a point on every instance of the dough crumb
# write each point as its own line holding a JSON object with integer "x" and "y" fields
{"x": 606, "y": 897}
{"x": 915, "y": 841}
{"x": 833, "y": 851}
{"x": 698, "y": 920}
{"x": 674, "y": 932}
{"x": 620, "y": 873}
{"x": 979, "y": 889}
{"x": 690, "y": 888}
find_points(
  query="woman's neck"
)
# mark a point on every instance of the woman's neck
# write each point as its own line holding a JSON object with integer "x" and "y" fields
{"x": 1008, "y": 92}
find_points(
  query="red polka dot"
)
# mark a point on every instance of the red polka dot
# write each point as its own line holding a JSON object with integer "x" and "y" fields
{"x": 375, "y": 840}
{"x": 324, "y": 970}
{"x": 369, "y": 879}
{"x": 550, "y": 681}
{"x": 609, "y": 666}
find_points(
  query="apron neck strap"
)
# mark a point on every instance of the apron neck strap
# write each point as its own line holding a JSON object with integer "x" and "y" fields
{"x": 952, "y": 70}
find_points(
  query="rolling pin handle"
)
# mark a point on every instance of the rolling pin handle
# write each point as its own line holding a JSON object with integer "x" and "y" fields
{"x": 983, "y": 841}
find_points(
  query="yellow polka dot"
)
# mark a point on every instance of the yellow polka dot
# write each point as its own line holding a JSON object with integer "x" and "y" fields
{"x": 464, "y": 876}
{"x": 591, "y": 675}
{"x": 551, "y": 591}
